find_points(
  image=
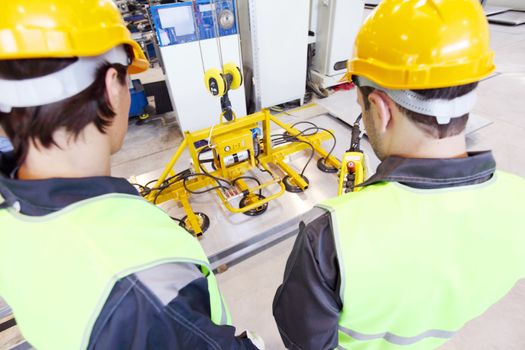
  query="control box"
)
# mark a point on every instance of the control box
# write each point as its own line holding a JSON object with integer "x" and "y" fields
{"x": 235, "y": 148}
{"x": 186, "y": 22}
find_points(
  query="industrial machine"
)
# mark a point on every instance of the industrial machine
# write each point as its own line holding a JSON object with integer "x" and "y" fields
{"x": 224, "y": 157}
{"x": 238, "y": 146}
{"x": 139, "y": 101}
{"x": 274, "y": 37}
{"x": 239, "y": 159}
{"x": 335, "y": 24}
{"x": 138, "y": 21}
{"x": 194, "y": 37}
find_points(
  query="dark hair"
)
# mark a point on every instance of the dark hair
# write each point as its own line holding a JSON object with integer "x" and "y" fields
{"x": 29, "y": 124}
{"x": 428, "y": 123}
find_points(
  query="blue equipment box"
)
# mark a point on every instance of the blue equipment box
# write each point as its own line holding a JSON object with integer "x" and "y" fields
{"x": 186, "y": 22}
{"x": 139, "y": 101}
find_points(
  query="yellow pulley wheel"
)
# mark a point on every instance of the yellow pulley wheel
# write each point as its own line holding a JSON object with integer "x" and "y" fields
{"x": 235, "y": 73}
{"x": 214, "y": 81}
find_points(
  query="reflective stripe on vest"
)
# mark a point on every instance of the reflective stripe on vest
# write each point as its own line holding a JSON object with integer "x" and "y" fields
{"x": 416, "y": 265}
{"x": 57, "y": 271}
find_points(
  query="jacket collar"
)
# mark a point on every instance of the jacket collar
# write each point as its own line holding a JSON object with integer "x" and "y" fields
{"x": 42, "y": 197}
{"x": 428, "y": 173}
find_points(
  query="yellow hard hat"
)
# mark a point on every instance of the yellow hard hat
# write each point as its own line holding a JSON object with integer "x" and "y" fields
{"x": 64, "y": 28}
{"x": 423, "y": 44}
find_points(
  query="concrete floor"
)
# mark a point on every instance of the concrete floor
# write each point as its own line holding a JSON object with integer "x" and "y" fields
{"x": 249, "y": 287}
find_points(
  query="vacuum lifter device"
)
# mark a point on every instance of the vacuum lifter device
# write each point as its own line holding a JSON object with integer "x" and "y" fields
{"x": 237, "y": 147}
{"x": 226, "y": 156}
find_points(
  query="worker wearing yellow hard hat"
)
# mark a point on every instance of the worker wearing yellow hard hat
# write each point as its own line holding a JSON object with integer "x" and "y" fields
{"x": 435, "y": 236}
{"x": 86, "y": 262}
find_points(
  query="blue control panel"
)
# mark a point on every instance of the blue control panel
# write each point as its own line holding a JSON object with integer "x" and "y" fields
{"x": 190, "y": 21}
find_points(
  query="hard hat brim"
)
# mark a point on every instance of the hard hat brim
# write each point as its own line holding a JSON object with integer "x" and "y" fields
{"x": 139, "y": 63}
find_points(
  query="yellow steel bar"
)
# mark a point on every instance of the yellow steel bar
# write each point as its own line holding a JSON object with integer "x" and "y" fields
{"x": 278, "y": 153}
{"x": 296, "y": 133}
{"x": 193, "y": 152}
{"x": 267, "y": 133}
{"x": 263, "y": 185}
{"x": 176, "y": 190}
{"x": 270, "y": 155}
{"x": 283, "y": 125}
{"x": 168, "y": 194}
{"x": 321, "y": 151}
{"x": 245, "y": 188}
{"x": 242, "y": 185}
{"x": 299, "y": 181}
{"x": 331, "y": 159}
{"x": 267, "y": 168}
{"x": 169, "y": 167}
{"x": 285, "y": 150}
{"x": 191, "y": 217}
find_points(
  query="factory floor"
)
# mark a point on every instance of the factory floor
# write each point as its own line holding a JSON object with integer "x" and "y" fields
{"x": 249, "y": 287}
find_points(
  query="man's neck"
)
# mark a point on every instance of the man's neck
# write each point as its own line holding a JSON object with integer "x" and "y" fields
{"x": 86, "y": 156}
{"x": 451, "y": 147}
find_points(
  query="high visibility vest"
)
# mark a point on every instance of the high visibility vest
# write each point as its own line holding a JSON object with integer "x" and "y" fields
{"x": 57, "y": 271}
{"x": 416, "y": 265}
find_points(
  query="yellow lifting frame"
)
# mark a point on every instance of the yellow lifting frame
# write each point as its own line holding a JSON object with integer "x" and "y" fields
{"x": 181, "y": 192}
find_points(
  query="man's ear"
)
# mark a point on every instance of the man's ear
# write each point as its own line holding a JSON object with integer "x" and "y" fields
{"x": 113, "y": 87}
{"x": 382, "y": 104}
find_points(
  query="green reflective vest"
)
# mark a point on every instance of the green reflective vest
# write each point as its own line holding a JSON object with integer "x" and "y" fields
{"x": 416, "y": 265}
{"x": 57, "y": 271}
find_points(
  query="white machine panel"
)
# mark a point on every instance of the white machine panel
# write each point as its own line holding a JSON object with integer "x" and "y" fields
{"x": 194, "y": 37}
{"x": 338, "y": 22}
{"x": 195, "y": 107}
{"x": 275, "y": 41}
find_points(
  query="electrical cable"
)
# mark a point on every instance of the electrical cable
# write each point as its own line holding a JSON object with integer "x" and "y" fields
{"x": 314, "y": 129}
{"x": 311, "y": 86}
{"x": 293, "y": 139}
{"x": 167, "y": 183}
{"x": 323, "y": 129}
{"x": 311, "y": 156}
{"x": 277, "y": 109}
{"x": 258, "y": 163}
{"x": 278, "y": 139}
{"x": 308, "y": 97}
{"x": 142, "y": 188}
{"x": 145, "y": 190}
{"x": 185, "y": 179}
